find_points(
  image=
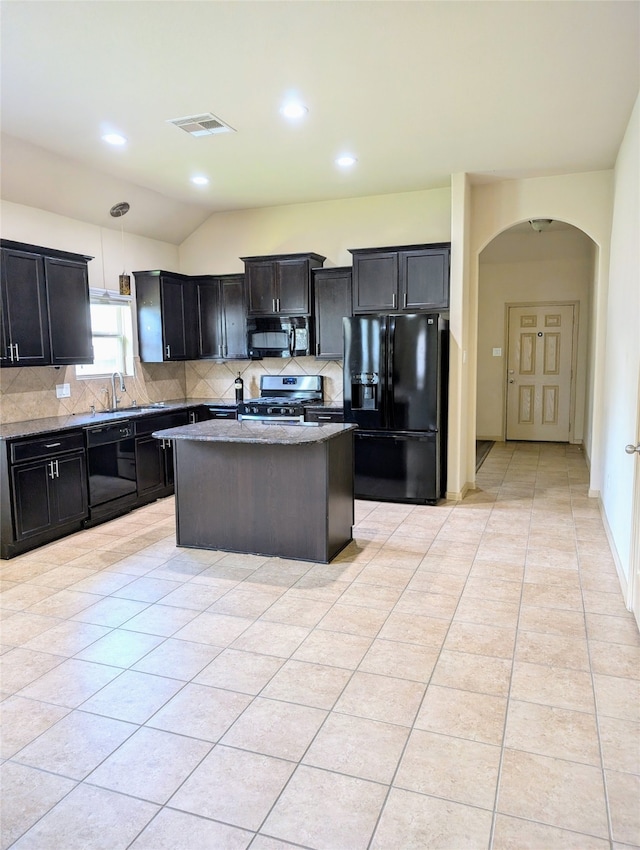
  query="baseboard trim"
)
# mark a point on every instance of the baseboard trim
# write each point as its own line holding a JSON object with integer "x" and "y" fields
{"x": 453, "y": 496}
{"x": 624, "y": 585}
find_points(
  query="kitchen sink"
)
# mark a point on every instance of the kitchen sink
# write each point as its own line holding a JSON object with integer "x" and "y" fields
{"x": 157, "y": 405}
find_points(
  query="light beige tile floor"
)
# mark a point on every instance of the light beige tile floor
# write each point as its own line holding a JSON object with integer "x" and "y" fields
{"x": 462, "y": 676}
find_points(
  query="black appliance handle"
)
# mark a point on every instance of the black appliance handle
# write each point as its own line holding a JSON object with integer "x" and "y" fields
{"x": 389, "y": 396}
{"x": 292, "y": 341}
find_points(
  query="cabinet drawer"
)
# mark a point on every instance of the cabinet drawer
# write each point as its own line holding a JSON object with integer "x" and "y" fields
{"x": 53, "y": 444}
{"x": 324, "y": 415}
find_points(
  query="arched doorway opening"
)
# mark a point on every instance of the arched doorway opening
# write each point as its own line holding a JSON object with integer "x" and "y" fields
{"x": 534, "y": 351}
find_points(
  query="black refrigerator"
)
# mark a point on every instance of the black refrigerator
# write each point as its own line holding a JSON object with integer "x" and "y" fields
{"x": 395, "y": 390}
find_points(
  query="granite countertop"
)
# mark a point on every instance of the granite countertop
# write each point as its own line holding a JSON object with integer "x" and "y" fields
{"x": 34, "y": 427}
{"x": 234, "y": 431}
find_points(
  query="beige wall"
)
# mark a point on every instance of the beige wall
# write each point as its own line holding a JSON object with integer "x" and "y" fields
{"x": 329, "y": 228}
{"x": 528, "y": 268}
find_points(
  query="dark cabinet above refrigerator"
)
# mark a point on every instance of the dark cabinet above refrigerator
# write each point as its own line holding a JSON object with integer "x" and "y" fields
{"x": 409, "y": 279}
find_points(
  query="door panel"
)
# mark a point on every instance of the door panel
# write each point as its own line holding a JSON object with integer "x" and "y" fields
{"x": 364, "y": 376}
{"x": 539, "y": 367}
{"x": 413, "y": 368}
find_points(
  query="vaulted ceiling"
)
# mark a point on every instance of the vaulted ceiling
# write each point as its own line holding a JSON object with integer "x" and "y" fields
{"x": 415, "y": 90}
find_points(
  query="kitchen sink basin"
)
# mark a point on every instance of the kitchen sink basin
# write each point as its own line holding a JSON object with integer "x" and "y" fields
{"x": 141, "y": 408}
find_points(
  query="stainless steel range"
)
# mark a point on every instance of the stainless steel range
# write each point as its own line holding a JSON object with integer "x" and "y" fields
{"x": 283, "y": 398}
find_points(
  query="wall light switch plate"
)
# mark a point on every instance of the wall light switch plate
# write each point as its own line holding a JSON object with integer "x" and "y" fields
{"x": 497, "y": 352}
{"x": 63, "y": 390}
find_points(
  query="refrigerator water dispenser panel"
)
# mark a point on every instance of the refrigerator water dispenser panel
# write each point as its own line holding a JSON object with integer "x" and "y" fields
{"x": 364, "y": 391}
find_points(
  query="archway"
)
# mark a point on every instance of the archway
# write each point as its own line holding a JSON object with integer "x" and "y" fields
{"x": 521, "y": 266}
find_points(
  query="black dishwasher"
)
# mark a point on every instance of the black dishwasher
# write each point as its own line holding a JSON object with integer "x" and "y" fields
{"x": 111, "y": 464}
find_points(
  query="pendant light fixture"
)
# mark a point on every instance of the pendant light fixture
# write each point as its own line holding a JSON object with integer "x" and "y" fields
{"x": 124, "y": 280}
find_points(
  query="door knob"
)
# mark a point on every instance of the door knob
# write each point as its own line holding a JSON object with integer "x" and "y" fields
{"x": 632, "y": 449}
{"x": 511, "y": 381}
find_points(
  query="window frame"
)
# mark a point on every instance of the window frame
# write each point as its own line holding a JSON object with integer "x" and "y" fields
{"x": 124, "y": 334}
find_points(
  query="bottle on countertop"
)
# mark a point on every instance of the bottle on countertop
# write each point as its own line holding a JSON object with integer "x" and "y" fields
{"x": 239, "y": 387}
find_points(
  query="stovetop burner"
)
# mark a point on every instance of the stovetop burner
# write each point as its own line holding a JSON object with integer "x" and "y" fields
{"x": 283, "y": 397}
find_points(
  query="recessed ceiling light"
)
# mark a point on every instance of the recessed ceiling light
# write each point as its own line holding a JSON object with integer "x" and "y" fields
{"x": 346, "y": 160}
{"x": 200, "y": 180}
{"x": 294, "y": 110}
{"x": 114, "y": 139}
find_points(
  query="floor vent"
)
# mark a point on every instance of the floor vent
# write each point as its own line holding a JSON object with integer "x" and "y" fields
{"x": 201, "y": 125}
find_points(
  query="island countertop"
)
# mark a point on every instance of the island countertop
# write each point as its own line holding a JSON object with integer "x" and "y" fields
{"x": 234, "y": 431}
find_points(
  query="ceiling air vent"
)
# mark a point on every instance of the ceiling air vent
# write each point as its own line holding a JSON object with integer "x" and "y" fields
{"x": 201, "y": 125}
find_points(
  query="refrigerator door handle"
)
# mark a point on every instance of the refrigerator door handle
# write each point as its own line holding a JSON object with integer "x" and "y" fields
{"x": 389, "y": 398}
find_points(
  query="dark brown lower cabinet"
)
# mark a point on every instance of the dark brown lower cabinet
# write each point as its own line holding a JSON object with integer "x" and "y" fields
{"x": 154, "y": 458}
{"x": 44, "y": 497}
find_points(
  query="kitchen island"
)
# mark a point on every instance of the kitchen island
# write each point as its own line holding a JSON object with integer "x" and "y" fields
{"x": 263, "y": 488}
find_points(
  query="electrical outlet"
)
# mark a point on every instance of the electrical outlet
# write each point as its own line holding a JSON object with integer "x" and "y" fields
{"x": 497, "y": 352}
{"x": 63, "y": 390}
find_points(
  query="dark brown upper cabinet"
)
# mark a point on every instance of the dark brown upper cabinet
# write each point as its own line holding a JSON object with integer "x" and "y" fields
{"x": 280, "y": 284}
{"x": 222, "y": 331}
{"x": 166, "y": 308}
{"x": 45, "y": 314}
{"x": 407, "y": 279}
{"x": 332, "y": 302}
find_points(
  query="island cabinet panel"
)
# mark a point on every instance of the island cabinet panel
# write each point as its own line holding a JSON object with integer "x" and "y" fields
{"x": 242, "y": 497}
{"x": 332, "y": 302}
{"x": 408, "y": 279}
{"x": 167, "y": 316}
{"x": 45, "y": 314}
{"x": 280, "y": 285}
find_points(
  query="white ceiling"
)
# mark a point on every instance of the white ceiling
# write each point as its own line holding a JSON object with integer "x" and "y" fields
{"x": 417, "y": 90}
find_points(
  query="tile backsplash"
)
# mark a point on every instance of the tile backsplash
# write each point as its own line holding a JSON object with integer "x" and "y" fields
{"x": 30, "y": 392}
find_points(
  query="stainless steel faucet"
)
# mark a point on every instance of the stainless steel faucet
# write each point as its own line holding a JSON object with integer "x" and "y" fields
{"x": 114, "y": 398}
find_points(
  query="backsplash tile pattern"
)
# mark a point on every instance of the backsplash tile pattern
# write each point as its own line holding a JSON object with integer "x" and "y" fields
{"x": 207, "y": 378}
{"x": 30, "y": 392}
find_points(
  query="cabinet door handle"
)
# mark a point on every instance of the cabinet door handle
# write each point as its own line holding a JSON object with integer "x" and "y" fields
{"x": 327, "y": 418}
{"x": 394, "y": 301}
{"x": 17, "y": 353}
{"x": 51, "y": 473}
{"x": 10, "y": 349}
{"x": 168, "y": 347}
{"x": 57, "y": 469}
{"x": 51, "y": 445}
{"x": 273, "y": 304}
{"x": 404, "y": 301}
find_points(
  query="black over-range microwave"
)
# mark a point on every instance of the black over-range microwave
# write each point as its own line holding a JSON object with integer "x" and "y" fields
{"x": 279, "y": 336}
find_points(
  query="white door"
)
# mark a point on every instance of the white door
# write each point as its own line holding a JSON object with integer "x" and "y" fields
{"x": 539, "y": 363}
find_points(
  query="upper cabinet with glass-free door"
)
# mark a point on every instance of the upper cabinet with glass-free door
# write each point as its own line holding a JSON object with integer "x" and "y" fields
{"x": 167, "y": 316}
{"x": 407, "y": 279}
{"x": 44, "y": 298}
{"x": 280, "y": 284}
